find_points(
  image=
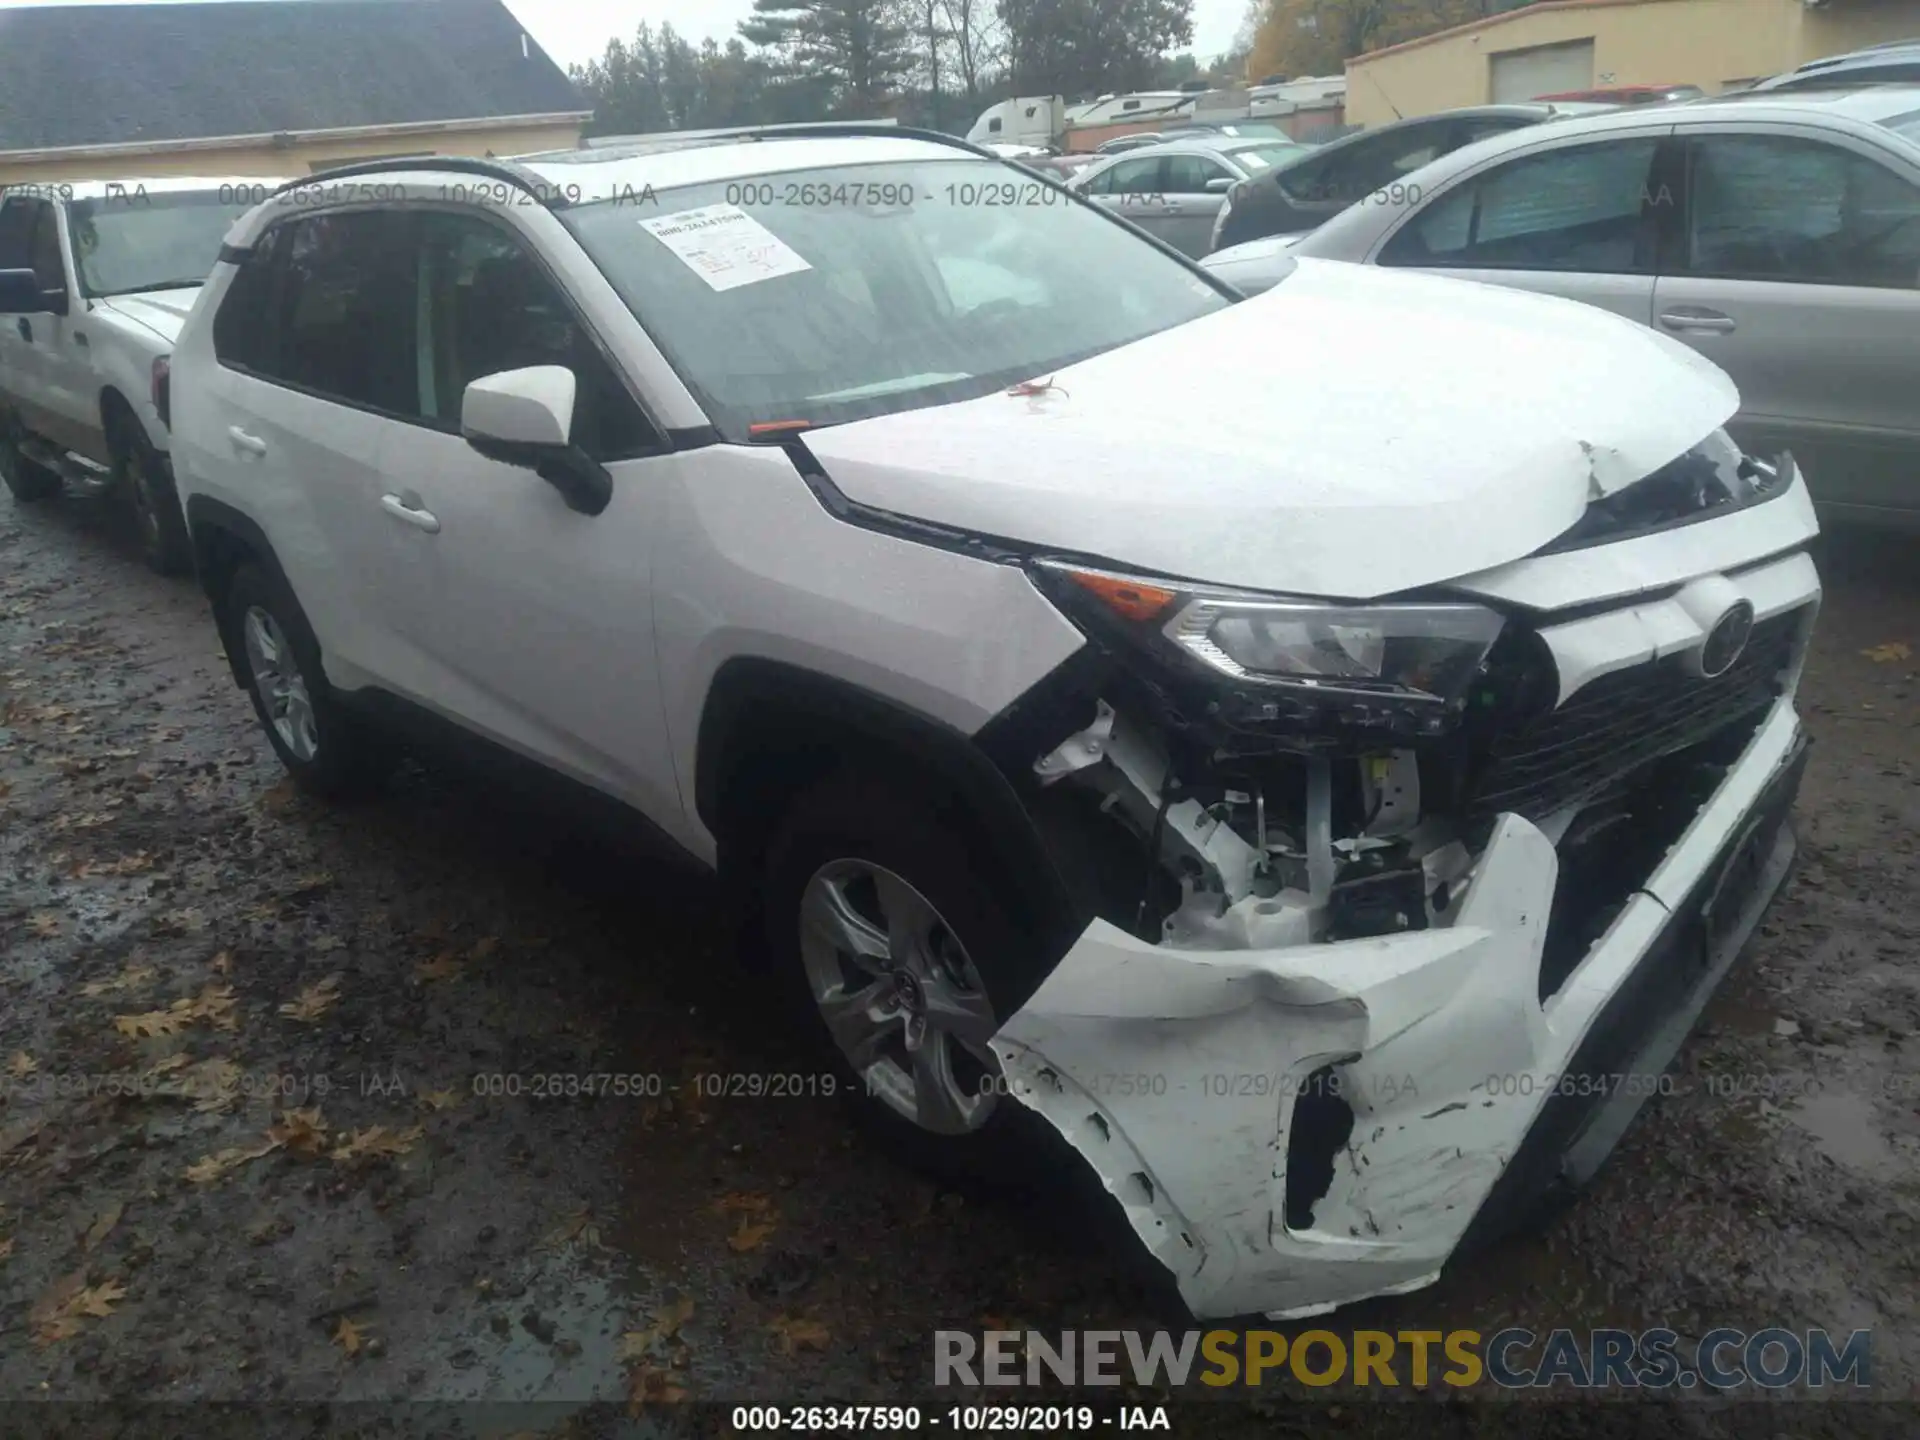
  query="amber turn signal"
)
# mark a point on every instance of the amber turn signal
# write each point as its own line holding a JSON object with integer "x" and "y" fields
{"x": 1127, "y": 598}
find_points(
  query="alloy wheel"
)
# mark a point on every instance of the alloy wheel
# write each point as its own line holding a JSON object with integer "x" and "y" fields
{"x": 280, "y": 685}
{"x": 900, "y": 996}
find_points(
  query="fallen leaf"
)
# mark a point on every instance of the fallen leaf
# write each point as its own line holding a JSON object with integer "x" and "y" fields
{"x": 750, "y": 1235}
{"x": 57, "y": 1314}
{"x": 440, "y": 1099}
{"x": 1888, "y": 653}
{"x": 314, "y": 1001}
{"x": 214, "y": 1084}
{"x": 151, "y": 1023}
{"x": 45, "y": 924}
{"x": 129, "y": 976}
{"x": 349, "y": 1336}
{"x": 222, "y": 963}
{"x": 102, "y": 1225}
{"x": 484, "y": 947}
{"x": 648, "y": 1385}
{"x": 739, "y": 1201}
{"x": 301, "y": 1131}
{"x": 178, "y": 922}
{"x": 213, "y": 1167}
{"x": 376, "y": 1141}
{"x": 311, "y": 884}
{"x": 637, "y": 1344}
{"x": 215, "y": 1005}
{"x": 444, "y": 966}
{"x": 22, "y": 1065}
{"x": 577, "y": 1226}
{"x": 799, "y": 1334}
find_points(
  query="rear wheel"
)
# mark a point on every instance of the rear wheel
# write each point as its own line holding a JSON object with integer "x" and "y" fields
{"x": 29, "y": 480}
{"x": 156, "y": 508}
{"x": 901, "y": 963}
{"x": 322, "y": 747}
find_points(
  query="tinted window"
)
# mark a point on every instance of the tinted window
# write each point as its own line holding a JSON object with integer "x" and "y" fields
{"x": 1189, "y": 174}
{"x": 1766, "y": 207}
{"x": 240, "y": 328}
{"x": 1355, "y": 171}
{"x": 345, "y": 312}
{"x": 16, "y": 233}
{"x": 1585, "y": 208}
{"x": 489, "y": 307}
{"x": 46, "y": 259}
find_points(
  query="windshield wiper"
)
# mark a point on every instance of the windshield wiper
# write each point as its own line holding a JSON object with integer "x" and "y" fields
{"x": 158, "y": 285}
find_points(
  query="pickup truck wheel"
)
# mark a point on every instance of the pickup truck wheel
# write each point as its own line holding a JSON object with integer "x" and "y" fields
{"x": 892, "y": 944}
{"x": 323, "y": 749}
{"x": 156, "y": 509}
{"x": 27, "y": 479}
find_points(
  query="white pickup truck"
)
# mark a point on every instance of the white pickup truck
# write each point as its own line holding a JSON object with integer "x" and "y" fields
{"x": 95, "y": 279}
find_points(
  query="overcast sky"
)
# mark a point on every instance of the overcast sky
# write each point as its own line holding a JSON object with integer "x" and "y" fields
{"x": 577, "y": 30}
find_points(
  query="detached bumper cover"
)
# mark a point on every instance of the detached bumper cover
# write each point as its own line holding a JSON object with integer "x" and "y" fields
{"x": 1179, "y": 1075}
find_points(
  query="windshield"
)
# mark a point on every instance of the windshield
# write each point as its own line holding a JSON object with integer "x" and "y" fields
{"x": 828, "y": 295}
{"x": 1255, "y": 158}
{"x": 1907, "y": 124}
{"x": 138, "y": 240}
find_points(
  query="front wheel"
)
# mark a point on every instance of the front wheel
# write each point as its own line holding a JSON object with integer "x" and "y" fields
{"x": 321, "y": 746}
{"x": 28, "y": 480}
{"x": 901, "y": 963}
{"x": 156, "y": 508}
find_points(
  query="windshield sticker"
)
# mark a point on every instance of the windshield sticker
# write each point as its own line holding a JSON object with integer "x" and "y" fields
{"x": 725, "y": 246}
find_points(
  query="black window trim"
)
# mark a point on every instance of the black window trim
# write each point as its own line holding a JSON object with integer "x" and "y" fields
{"x": 1675, "y": 259}
{"x": 671, "y": 440}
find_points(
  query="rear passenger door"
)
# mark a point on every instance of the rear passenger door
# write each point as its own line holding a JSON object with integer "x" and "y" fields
{"x": 1797, "y": 270}
{"x": 1580, "y": 220}
{"x": 1135, "y": 189}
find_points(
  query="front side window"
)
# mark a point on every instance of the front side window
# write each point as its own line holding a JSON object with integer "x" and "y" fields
{"x": 49, "y": 266}
{"x": 1774, "y": 207}
{"x": 904, "y": 286}
{"x": 130, "y": 241}
{"x": 345, "y": 313}
{"x": 1189, "y": 174}
{"x": 1586, "y": 208}
{"x": 16, "y": 233}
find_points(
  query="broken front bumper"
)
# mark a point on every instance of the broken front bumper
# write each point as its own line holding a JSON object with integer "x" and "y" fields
{"x": 1183, "y": 1076}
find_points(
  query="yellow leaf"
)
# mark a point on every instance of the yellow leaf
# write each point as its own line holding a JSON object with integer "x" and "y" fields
{"x": 151, "y": 1023}
{"x": 440, "y": 1099}
{"x": 44, "y": 924}
{"x": 444, "y": 966}
{"x": 213, "y": 1167}
{"x": 301, "y": 1131}
{"x": 22, "y": 1065}
{"x": 57, "y": 1314}
{"x": 800, "y": 1334}
{"x": 376, "y": 1141}
{"x": 215, "y": 1004}
{"x": 314, "y": 1001}
{"x": 349, "y": 1336}
{"x": 130, "y": 976}
{"x": 1888, "y": 653}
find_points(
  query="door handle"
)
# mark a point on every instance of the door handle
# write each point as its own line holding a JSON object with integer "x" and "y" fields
{"x": 25, "y": 328}
{"x": 252, "y": 444}
{"x": 1689, "y": 317}
{"x": 407, "y": 509}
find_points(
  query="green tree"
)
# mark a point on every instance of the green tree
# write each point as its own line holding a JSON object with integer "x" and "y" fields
{"x": 856, "y": 54}
{"x": 1081, "y": 48}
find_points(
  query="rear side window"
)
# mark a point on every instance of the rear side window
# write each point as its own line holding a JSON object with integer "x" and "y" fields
{"x": 16, "y": 233}
{"x": 1584, "y": 208}
{"x": 1354, "y": 172}
{"x": 344, "y": 315}
{"x": 47, "y": 261}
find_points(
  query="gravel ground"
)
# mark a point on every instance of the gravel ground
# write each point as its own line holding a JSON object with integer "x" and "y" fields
{"x": 281, "y": 1177}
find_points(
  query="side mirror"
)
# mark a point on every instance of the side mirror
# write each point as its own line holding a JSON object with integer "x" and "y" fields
{"x": 20, "y": 294}
{"x": 1219, "y": 185}
{"x": 525, "y": 418}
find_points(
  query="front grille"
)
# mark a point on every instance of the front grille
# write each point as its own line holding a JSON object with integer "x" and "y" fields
{"x": 1623, "y": 722}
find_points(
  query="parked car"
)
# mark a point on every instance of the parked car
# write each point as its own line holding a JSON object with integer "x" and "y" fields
{"x": 95, "y": 278}
{"x": 1321, "y": 181}
{"x": 1895, "y": 63}
{"x": 1776, "y": 234}
{"x": 1174, "y": 189}
{"x": 1060, "y": 167}
{"x": 839, "y": 540}
{"x": 1627, "y": 95}
{"x": 1121, "y": 143}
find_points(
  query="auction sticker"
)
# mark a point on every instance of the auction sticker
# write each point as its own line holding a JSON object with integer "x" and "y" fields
{"x": 725, "y": 246}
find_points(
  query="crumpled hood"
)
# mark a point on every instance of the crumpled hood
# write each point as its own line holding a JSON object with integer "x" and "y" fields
{"x": 161, "y": 311}
{"x": 1350, "y": 433}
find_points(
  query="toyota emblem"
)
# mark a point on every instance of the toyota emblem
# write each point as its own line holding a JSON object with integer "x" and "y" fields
{"x": 1726, "y": 640}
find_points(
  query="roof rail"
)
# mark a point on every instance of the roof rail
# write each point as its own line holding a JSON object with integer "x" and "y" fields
{"x": 810, "y": 129}
{"x": 505, "y": 171}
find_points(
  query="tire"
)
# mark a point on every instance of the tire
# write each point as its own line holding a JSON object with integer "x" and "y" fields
{"x": 853, "y": 835}
{"x": 324, "y": 749}
{"x": 158, "y": 519}
{"x": 27, "y": 479}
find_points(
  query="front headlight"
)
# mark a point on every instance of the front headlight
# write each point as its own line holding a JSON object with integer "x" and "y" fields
{"x": 1424, "y": 652}
{"x": 1270, "y": 660}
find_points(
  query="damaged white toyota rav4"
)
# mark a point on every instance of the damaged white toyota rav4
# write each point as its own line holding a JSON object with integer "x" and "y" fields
{"x": 1319, "y": 752}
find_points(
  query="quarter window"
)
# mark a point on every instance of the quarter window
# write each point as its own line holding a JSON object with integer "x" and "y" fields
{"x": 1585, "y": 208}
{"x": 1767, "y": 207}
{"x": 240, "y": 327}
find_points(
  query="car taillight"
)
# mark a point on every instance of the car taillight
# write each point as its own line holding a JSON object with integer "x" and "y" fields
{"x": 163, "y": 389}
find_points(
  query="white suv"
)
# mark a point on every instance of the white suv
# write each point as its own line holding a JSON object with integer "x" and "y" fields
{"x": 95, "y": 279}
{"x": 1319, "y": 752}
